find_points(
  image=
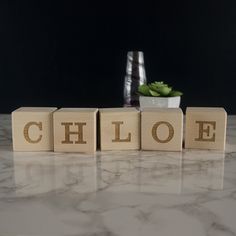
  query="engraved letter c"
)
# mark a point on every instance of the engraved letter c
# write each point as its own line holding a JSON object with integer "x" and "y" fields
{"x": 26, "y": 132}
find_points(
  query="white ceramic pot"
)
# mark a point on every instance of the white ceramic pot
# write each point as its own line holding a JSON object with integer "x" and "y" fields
{"x": 161, "y": 102}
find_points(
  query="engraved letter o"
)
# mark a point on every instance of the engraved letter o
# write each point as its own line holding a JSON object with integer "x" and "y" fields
{"x": 154, "y": 132}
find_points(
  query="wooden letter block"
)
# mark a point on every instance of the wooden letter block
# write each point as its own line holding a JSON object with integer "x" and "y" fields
{"x": 162, "y": 129}
{"x": 75, "y": 130}
{"x": 119, "y": 128}
{"x": 32, "y": 129}
{"x": 205, "y": 128}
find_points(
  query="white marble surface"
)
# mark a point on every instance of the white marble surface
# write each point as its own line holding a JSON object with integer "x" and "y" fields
{"x": 117, "y": 193}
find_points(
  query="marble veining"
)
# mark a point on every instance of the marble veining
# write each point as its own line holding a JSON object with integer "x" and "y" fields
{"x": 117, "y": 192}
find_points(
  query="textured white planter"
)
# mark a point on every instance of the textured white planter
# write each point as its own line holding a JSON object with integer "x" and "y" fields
{"x": 161, "y": 102}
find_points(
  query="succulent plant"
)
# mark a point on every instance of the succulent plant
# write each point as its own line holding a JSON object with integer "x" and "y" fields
{"x": 158, "y": 89}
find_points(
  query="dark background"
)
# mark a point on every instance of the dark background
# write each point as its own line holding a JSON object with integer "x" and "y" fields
{"x": 73, "y": 54}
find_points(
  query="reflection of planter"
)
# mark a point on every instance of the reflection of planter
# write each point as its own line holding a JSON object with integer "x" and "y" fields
{"x": 162, "y": 102}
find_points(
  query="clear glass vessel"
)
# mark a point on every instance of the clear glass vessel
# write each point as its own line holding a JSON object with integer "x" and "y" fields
{"x": 135, "y": 76}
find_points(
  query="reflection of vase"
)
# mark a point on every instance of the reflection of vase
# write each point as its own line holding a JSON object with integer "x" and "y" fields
{"x": 135, "y": 76}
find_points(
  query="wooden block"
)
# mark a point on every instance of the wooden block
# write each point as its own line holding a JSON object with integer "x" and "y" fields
{"x": 205, "y": 128}
{"x": 162, "y": 129}
{"x": 119, "y": 128}
{"x": 75, "y": 130}
{"x": 32, "y": 129}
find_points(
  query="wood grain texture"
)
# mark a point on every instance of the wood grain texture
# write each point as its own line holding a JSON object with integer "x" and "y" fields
{"x": 75, "y": 130}
{"x": 162, "y": 129}
{"x": 119, "y": 128}
{"x": 205, "y": 128}
{"x": 32, "y": 129}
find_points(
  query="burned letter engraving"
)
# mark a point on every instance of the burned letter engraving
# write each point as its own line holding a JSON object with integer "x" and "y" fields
{"x": 117, "y": 133}
{"x": 68, "y": 132}
{"x": 204, "y": 127}
{"x": 154, "y": 132}
{"x": 26, "y": 132}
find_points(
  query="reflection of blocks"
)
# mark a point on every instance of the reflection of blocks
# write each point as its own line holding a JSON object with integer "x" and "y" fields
{"x": 162, "y": 129}
{"x": 160, "y": 173}
{"x": 119, "y": 128}
{"x": 79, "y": 173}
{"x": 119, "y": 175}
{"x": 35, "y": 175}
{"x": 75, "y": 130}
{"x": 202, "y": 171}
{"x": 32, "y": 129}
{"x": 205, "y": 128}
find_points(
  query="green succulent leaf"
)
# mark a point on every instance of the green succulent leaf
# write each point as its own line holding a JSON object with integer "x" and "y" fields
{"x": 164, "y": 91}
{"x": 158, "y": 89}
{"x": 144, "y": 90}
{"x": 157, "y": 85}
{"x": 160, "y": 84}
{"x": 154, "y": 93}
{"x": 153, "y": 87}
{"x": 175, "y": 93}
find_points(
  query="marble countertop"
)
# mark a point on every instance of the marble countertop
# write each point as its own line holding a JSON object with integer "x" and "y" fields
{"x": 117, "y": 193}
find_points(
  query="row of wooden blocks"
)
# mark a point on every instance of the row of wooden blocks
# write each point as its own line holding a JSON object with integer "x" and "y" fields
{"x": 75, "y": 129}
